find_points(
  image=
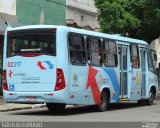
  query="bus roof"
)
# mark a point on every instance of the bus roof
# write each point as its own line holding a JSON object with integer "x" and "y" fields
{"x": 108, "y": 36}
{"x": 85, "y": 32}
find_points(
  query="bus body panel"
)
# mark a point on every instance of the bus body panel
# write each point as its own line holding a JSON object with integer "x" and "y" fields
{"x": 77, "y": 85}
{"x": 30, "y": 74}
{"x": 88, "y": 82}
{"x": 136, "y": 84}
{"x": 36, "y": 97}
{"x": 36, "y": 76}
{"x": 152, "y": 82}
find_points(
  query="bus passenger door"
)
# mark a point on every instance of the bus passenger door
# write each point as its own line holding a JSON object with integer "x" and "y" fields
{"x": 143, "y": 68}
{"x": 136, "y": 72}
{"x": 78, "y": 70}
{"x": 123, "y": 60}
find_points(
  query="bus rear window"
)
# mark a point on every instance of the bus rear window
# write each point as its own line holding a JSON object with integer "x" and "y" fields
{"x": 31, "y": 43}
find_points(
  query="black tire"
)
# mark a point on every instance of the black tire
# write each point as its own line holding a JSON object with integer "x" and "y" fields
{"x": 104, "y": 102}
{"x": 141, "y": 102}
{"x": 55, "y": 107}
{"x": 151, "y": 98}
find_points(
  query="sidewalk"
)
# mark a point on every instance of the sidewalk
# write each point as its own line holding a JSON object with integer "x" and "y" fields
{"x": 158, "y": 96}
{"x": 12, "y": 106}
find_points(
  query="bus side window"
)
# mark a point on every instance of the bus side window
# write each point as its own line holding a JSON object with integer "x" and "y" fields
{"x": 34, "y": 44}
{"x": 13, "y": 47}
{"x": 77, "y": 50}
{"x": 94, "y": 48}
{"x": 134, "y": 56}
{"x": 45, "y": 47}
{"x": 110, "y": 56}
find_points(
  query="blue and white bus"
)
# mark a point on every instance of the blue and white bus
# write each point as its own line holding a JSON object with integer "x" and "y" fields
{"x": 61, "y": 66}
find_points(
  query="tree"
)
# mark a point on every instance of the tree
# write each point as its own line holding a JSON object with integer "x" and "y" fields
{"x": 133, "y": 18}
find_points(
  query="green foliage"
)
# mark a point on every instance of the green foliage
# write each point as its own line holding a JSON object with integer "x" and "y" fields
{"x": 135, "y": 18}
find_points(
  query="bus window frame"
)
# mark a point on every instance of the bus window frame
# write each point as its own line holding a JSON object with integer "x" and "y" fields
{"x": 137, "y": 47}
{"x": 115, "y": 55}
{"x": 8, "y": 52}
{"x": 69, "y": 50}
{"x": 87, "y": 51}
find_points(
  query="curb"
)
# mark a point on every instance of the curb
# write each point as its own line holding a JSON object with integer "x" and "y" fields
{"x": 11, "y": 108}
{"x": 14, "y": 109}
{"x": 38, "y": 106}
{"x": 158, "y": 96}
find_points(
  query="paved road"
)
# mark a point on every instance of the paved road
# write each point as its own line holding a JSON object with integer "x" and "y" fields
{"x": 129, "y": 112}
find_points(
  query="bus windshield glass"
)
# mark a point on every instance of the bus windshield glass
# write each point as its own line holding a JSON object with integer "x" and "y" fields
{"x": 31, "y": 42}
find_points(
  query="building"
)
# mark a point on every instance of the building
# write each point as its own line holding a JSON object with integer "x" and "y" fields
{"x": 30, "y": 12}
{"x": 82, "y": 14}
{"x": 7, "y": 13}
{"x": 155, "y": 45}
{"x": 74, "y": 13}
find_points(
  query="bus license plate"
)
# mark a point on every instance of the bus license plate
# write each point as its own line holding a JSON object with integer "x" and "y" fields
{"x": 31, "y": 99}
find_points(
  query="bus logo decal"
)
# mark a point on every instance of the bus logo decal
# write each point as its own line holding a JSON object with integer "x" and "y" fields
{"x": 49, "y": 64}
{"x": 10, "y": 74}
{"x": 11, "y": 87}
{"x": 93, "y": 84}
{"x": 41, "y": 64}
{"x": 75, "y": 80}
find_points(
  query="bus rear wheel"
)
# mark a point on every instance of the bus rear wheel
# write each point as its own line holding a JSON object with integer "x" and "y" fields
{"x": 55, "y": 107}
{"x": 141, "y": 102}
{"x": 103, "y": 102}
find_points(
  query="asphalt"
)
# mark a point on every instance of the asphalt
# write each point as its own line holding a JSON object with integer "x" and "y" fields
{"x": 15, "y": 106}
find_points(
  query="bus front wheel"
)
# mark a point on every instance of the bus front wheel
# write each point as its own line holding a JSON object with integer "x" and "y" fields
{"x": 55, "y": 107}
{"x": 103, "y": 102}
{"x": 151, "y": 97}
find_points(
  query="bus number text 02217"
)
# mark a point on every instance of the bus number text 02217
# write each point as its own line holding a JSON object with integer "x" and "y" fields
{"x": 14, "y": 64}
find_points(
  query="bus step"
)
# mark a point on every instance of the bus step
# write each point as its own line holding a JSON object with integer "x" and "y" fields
{"x": 124, "y": 100}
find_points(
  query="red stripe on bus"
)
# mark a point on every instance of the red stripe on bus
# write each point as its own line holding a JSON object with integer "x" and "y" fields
{"x": 30, "y": 55}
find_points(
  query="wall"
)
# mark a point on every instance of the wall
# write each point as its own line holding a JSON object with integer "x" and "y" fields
{"x": 83, "y": 12}
{"x": 8, "y": 7}
{"x": 8, "y": 10}
{"x": 41, "y": 12}
{"x": 87, "y": 5}
{"x": 155, "y": 45}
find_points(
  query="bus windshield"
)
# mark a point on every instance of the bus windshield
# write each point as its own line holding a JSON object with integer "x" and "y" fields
{"x": 31, "y": 43}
